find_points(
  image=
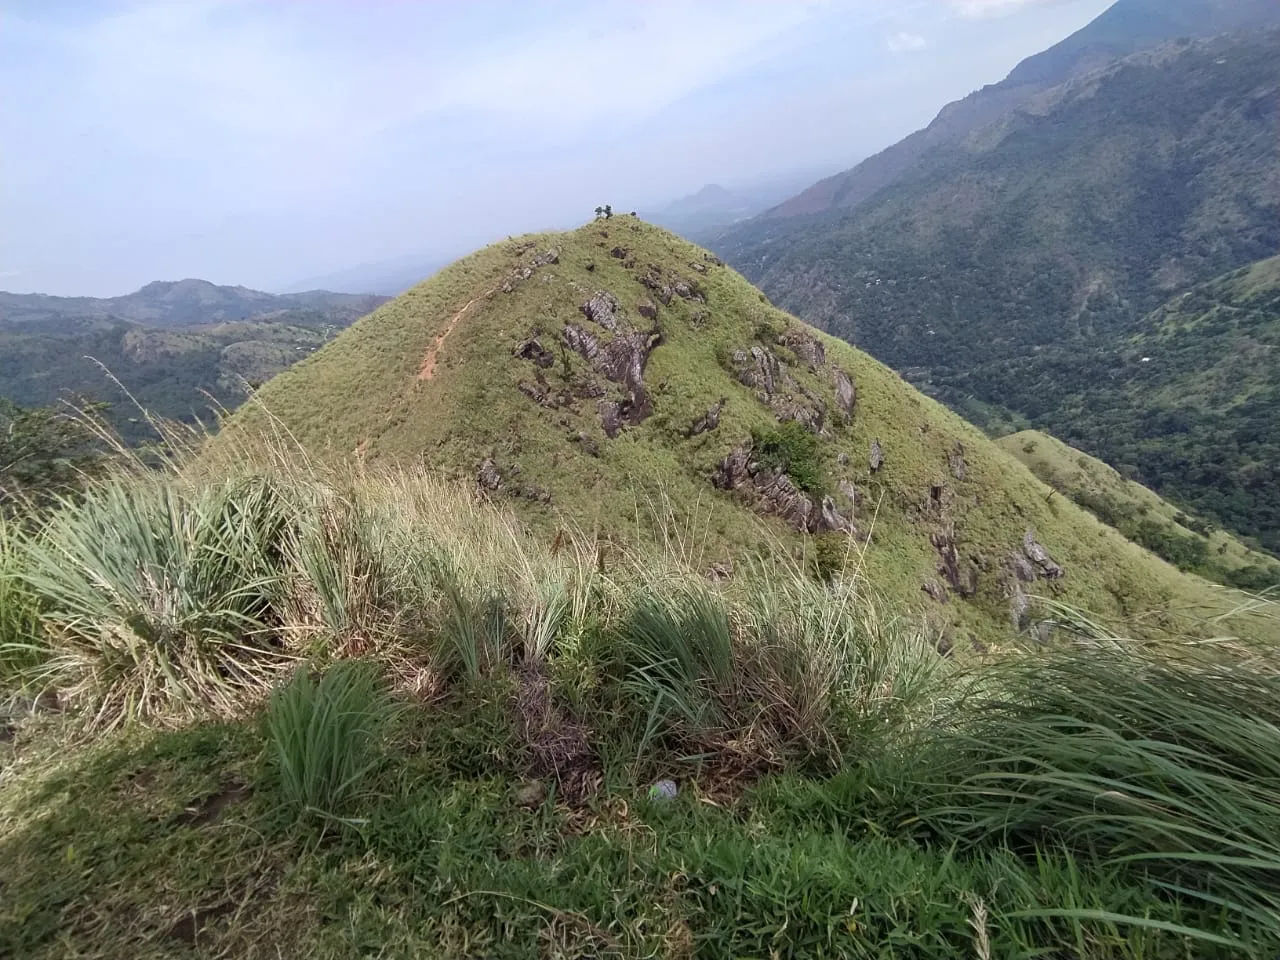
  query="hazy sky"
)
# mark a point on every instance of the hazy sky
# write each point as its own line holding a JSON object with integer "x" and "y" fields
{"x": 266, "y": 142}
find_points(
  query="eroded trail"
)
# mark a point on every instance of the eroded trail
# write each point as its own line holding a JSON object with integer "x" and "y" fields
{"x": 428, "y": 368}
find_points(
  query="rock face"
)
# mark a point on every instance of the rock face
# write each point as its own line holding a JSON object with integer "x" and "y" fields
{"x": 961, "y": 576}
{"x": 488, "y": 476}
{"x": 601, "y": 309}
{"x": 846, "y": 393}
{"x": 876, "y": 460}
{"x": 532, "y": 349}
{"x": 708, "y": 421}
{"x": 774, "y": 493}
{"x": 1039, "y": 556}
{"x": 620, "y": 359}
{"x": 760, "y": 369}
{"x": 955, "y": 460}
{"x": 804, "y": 346}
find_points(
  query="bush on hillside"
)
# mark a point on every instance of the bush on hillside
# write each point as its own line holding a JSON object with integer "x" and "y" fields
{"x": 795, "y": 451}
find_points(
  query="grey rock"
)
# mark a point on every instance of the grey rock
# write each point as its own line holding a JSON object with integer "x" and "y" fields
{"x": 648, "y": 310}
{"x": 846, "y": 392}
{"x": 602, "y": 309}
{"x": 709, "y": 420}
{"x": 610, "y": 418}
{"x": 877, "y": 456}
{"x": 488, "y": 477}
{"x": 1040, "y": 557}
{"x": 532, "y": 349}
{"x": 804, "y": 346}
{"x": 955, "y": 460}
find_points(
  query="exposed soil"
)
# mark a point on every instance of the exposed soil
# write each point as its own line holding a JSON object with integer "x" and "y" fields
{"x": 428, "y": 368}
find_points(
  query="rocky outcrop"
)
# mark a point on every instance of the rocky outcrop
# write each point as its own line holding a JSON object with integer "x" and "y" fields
{"x": 935, "y": 590}
{"x": 760, "y": 369}
{"x": 876, "y": 459}
{"x": 610, "y": 417}
{"x": 602, "y": 309}
{"x": 708, "y": 421}
{"x": 1039, "y": 556}
{"x": 688, "y": 291}
{"x": 648, "y": 310}
{"x": 960, "y": 575}
{"x": 621, "y": 359}
{"x": 846, "y": 393}
{"x": 775, "y": 494}
{"x": 955, "y": 460}
{"x": 804, "y": 346}
{"x": 488, "y": 476}
{"x": 532, "y": 349}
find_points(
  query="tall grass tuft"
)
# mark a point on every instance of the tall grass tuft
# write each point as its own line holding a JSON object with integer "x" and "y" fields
{"x": 1164, "y": 762}
{"x": 323, "y": 735}
{"x": 22, "y": 648}
{"x": 158, "y": 599}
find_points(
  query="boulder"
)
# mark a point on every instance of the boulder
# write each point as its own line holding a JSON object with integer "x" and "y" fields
{"x": 846, "y": 392}
{"x": 876, "y": 459}
{"x": 602, "y": 309}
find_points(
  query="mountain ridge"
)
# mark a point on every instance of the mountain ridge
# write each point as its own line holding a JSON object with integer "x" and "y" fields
{"x": 1124, "y": 28}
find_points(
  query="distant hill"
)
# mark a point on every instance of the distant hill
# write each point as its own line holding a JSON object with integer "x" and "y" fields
{"x": 383, "y": 277}
{"x": 1142, "y": 515}
{"x": 1125, "y": 28}
{"x": 1010, "y": 271}
{"x": 622, "y": 380}
{"x": 180, "y": 303}
{"x": 178, "y": 348}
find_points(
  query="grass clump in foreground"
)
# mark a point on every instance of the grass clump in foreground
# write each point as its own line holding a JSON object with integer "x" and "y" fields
{"x": 845, "y": 791}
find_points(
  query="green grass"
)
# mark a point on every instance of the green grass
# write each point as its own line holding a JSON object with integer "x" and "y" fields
{"x": 460, "y": 765}
{"x": 148, "y": 844}
{"x": 323, "y": 735}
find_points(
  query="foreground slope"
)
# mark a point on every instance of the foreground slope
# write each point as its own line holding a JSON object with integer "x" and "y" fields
{"x": 621, "y": 379}
{"x": 1141, "y": 514}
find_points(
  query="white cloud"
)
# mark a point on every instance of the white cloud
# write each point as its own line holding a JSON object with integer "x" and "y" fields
{"x": 988, "y": 9}
{"x": 904, "y": 42}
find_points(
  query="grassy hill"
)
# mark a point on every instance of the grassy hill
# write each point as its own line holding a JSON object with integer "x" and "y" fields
{"x": 1141, "y": 514}
{"x": 1012, "y": 270}
{"x": 620, "y": 380}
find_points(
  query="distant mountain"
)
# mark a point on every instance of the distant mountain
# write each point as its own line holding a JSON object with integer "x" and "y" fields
{"x": 714, "y": 206}
{"x": 179, "y": 303}
{"x": 1127, "y": 27}
{"x": 178, "y": 348}
{"x": 1010, "y": 269}
{"x": 621, "y": 380}
{"x": 384, "y": 277}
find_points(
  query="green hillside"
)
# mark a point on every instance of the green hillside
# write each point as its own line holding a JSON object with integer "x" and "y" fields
{"x": 689, "y": 408}
{"x": 1141, "y": 514}
{"x": 1189, "y": 403}
{"x": 1013, "y": 269}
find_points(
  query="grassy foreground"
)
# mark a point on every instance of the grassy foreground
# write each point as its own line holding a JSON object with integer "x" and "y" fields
{"x": 368, "y": 715}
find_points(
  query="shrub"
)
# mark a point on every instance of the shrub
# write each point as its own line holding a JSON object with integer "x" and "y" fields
{"x": 323, "y": 735}
{"x": 160, "y": 599}
{"x": 795, "y": 451}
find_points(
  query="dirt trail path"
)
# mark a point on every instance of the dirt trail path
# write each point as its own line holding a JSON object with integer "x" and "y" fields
{"x": 428, "y": 368}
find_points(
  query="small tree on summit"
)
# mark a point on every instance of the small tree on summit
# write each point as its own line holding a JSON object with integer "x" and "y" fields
{"x": 606, "y": 211}
{"x": 599, "y": 212}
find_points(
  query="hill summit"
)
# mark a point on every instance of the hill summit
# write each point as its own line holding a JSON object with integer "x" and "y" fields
{"x": 625, "y": 381}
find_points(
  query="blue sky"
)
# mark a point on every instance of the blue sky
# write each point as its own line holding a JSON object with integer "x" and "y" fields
{"x": 265, "y": 142}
